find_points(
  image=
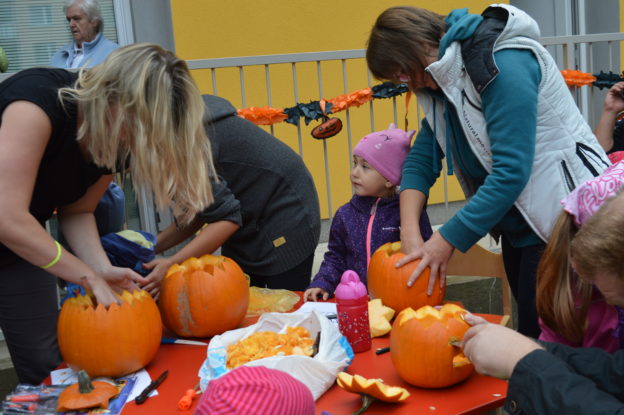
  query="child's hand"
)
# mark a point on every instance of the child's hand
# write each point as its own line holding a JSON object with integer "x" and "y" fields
{"x": 312, "y": 294}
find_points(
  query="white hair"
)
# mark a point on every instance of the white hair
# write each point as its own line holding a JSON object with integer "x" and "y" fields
{"x": 89, "y": 7}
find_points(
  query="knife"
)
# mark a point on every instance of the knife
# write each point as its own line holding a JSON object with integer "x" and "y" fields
{"x": 149, "y": 388}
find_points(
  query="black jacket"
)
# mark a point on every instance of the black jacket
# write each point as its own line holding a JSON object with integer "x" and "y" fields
{"x": 265, "y": 188}
{"x": 567, "y": 380}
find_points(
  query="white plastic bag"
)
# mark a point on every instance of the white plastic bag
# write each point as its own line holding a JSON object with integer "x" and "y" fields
{"x": 318, "y": 373}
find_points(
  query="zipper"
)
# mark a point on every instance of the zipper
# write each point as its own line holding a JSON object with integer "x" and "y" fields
{"x": 567, "y": 176}
{"x": 369, "y": 231}
{"x": 472, "y": 104}
{"x": 582, "y": 151}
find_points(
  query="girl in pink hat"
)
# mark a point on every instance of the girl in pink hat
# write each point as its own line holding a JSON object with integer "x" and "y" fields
{"x": 571, "y": 310}
{"x": 372, "y": 216}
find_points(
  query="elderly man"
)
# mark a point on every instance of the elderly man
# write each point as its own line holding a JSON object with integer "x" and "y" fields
{"x": 89, "y": 46}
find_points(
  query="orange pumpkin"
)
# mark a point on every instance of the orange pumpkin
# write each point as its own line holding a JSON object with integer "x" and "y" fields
{"x": 421, "y": 346}
{"x": 113, "y": 341}
{"x": 389, "y": 283}
{"x": 204, "y": 297}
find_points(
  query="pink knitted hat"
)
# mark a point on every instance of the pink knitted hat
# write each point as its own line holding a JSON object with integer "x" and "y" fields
{"x": 589, "y": 196}
{"x": 385, "y": 151}
{"x": 256, "y": 390}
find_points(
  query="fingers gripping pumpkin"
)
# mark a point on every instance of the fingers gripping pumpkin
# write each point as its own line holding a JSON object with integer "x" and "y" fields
{"x": 204, "y": 297}
{"x": 389, "y": 283}
{"x": 422, "y": 350}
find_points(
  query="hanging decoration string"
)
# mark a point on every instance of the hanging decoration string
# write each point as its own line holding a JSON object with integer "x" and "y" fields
{"x": 313, "y": 110}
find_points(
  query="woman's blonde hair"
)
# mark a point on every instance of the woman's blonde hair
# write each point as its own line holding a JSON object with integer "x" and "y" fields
{"x": 142, "y": 105}
{"x": 399, "y": 41}
{"x": 598, "y": 246}
{"x": 562, "y": 298}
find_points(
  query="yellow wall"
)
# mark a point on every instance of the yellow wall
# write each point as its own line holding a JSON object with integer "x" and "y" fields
{"x": 206, "y": 29}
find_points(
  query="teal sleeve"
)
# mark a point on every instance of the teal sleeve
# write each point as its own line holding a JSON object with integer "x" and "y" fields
{"x": 423, "y": 162}
{"x": 509, "y": 106}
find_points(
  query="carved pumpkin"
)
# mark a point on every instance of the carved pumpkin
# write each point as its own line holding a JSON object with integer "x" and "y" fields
{"x": 86, "y": 394}
{"x": 389, "y": 283}
{"x": 113, "y": 341}
{"x": 204, "y": 297}
{"x": 421, "y": 346}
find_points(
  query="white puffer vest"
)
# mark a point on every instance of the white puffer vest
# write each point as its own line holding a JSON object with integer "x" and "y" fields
{"x": 566, "y": 151}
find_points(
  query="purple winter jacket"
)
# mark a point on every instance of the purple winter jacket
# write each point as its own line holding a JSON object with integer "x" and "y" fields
{"x": 347, "y": 237}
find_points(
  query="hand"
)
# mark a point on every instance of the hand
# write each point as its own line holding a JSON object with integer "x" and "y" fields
{"x": 159, "y": 267}
{"x": 312, "y": 294}
{"x": 435, "y": 254}
{"x": 495, "y": 350}
{"x": 614, "y": 101}
{"x": 101, "y": 290}
{"x": 121, "y": 279}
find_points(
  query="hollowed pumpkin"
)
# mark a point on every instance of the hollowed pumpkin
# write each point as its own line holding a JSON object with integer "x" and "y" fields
{"x": 420, "y": 346}
{"x": 113, "y": 341}
{"x": 204, "y": 297}
{"x": 389, "y": 283}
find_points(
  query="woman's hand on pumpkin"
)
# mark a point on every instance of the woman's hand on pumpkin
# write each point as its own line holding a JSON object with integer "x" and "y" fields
{"x": 312, "y": 294}
{"x": 495, "y": 350}
{"x": 103, "y": 293}
{"x": 435, "y": 254}
{"x": 121, "y": 279}
{"x": 159, "y": 267}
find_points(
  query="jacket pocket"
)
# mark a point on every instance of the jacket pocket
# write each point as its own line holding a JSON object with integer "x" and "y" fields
{"x": 590, "y": 158}
{"x": 472, "y": 104}
{"x": 567, "y": 177}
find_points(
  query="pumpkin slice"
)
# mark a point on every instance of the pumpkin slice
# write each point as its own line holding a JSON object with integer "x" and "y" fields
{"x": 86, "y": 394}
{"x": 375, "y": 388}
{"x": 379, "y": 316}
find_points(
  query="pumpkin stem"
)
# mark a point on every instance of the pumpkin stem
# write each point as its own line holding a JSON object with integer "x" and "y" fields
{"x": 84, "y": 382}
{"x": 367, "y": 400}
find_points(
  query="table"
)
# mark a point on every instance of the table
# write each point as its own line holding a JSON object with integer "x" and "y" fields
{"x": 477, "y": 394}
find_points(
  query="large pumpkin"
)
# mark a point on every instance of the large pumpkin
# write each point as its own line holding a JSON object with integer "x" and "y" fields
{"x": 204, "y": 297}
{"x": 389, "y": 283}
{"x": 421, "y": 349}
{"x": 113, "y": 341}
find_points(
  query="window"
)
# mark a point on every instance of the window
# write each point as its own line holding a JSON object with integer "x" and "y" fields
{"x": 31, "y": 31}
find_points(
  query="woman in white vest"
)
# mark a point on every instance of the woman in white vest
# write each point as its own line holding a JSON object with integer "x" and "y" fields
{"x": 497, "y": 108}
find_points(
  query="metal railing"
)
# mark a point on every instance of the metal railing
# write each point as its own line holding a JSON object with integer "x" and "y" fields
{"x": 587, "y": 53}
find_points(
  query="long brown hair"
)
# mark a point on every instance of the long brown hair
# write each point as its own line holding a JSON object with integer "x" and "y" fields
{"x": 399, "y": 40}
{"x": 142, "y": 103}
{"x": 562, "y": 298}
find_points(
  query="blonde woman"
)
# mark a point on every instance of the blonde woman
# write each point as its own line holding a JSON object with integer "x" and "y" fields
{"x": 62, "y": 134}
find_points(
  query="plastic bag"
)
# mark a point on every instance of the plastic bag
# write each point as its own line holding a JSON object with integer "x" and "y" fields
{"x": 318, "y": 373}
{"x": 265, "y": 300}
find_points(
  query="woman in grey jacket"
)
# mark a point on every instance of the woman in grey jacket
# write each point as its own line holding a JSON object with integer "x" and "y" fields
{"x": 266, "y": 211}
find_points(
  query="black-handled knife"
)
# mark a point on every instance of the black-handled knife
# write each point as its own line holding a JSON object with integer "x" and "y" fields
{"x": 149, "y": 388}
